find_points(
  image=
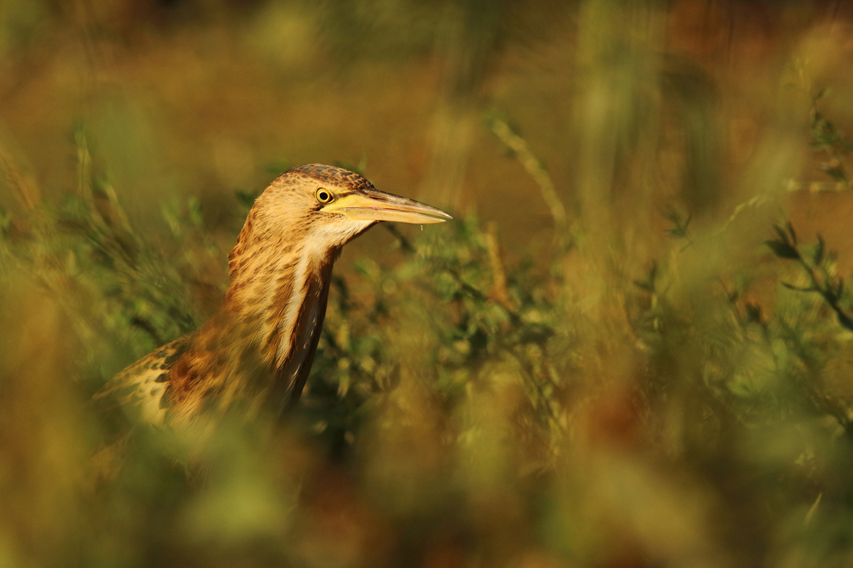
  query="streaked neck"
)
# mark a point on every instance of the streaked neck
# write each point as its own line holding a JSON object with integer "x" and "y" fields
{"x": 278, "y": 299}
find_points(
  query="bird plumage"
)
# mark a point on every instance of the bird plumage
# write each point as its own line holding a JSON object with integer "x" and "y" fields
{"x": 257, "y": 350}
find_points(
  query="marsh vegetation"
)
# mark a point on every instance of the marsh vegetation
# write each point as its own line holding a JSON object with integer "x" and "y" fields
{"x": 633, "y": 346}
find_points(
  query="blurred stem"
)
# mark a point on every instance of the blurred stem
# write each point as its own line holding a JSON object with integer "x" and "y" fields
{"x": 405, "y": 243}
{"x": 792, "y": 186}
{"x": 23, "y": 186}
{"x": 469, "y": 38}
{"x": 498, "y": 272}
{"x": 84, "y": 166}
{"x": 618, "y": 57}
{"x": 533, "y": 166}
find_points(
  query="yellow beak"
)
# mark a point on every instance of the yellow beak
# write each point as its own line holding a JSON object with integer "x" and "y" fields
{"x": 374, "y": 205}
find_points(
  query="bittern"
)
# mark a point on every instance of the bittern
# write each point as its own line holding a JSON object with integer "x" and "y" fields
{"x": 256, "y": 352}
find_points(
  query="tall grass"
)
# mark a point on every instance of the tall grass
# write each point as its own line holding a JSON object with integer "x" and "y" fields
{"x": 664, "y": 382}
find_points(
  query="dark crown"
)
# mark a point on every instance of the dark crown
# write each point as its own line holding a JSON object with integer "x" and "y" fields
{"x": 332, "y": 175}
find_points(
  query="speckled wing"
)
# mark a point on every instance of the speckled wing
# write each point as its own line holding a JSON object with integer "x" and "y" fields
{"x": 143, "y": 386}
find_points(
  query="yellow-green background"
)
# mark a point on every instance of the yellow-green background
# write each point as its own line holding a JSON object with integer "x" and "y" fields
{"x": 596, "y": 364}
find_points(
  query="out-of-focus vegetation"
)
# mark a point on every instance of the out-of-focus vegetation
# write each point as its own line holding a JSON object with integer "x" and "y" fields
{"x": 633, "y": 346}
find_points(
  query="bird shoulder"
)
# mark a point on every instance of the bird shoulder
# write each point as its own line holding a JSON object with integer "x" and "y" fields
{"x": 143, "y": 385}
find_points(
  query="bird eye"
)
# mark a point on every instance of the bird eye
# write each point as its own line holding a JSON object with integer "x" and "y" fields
{"x": 324, "y": 195}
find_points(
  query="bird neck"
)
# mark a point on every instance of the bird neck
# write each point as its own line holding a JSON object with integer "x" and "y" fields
{"x": 280, "y": 300}
{"x": 276, "y": 300}
{"x": 260, "y": 346}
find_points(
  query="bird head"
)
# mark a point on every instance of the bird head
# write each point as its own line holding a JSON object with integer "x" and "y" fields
{"x": 329, "y": 206}
{"x": 309, "y": 213}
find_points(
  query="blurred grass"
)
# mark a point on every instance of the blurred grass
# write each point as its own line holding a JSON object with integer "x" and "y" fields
{"x": 603, "y": 363}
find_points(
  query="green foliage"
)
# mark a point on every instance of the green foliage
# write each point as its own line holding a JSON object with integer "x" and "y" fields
{"x": 450, "y": 371}
{"x": 635, "y": 388}
{"x": 450, "y": 378}
{"x": 680, "y": 224}
{"x": 125, "y": 295}
{"x": 475, "y": 316}
{"x": 820, "y": 270}
{"x": 829, "y": 140}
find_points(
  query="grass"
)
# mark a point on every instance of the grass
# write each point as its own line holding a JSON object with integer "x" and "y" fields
{"x": 663, "y": 380}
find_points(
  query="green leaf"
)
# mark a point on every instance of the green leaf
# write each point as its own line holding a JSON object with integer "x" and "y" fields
{"x": 753, "y": 312}
{"x": 817, "y": 257}
{"x": 783, "y": 249}
{"x": 194, "y": 213}
{"x": 835, "y": 172}
{"x": 791, "y": 232}
{"x": 799, "y": 288}
{"x": 783, "y": 236}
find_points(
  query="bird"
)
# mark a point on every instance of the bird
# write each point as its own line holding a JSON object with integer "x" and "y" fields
{"x": 255, "y": 353}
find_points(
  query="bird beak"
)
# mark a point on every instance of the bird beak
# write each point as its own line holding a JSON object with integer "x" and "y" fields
{"x": 373, "y": 205}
